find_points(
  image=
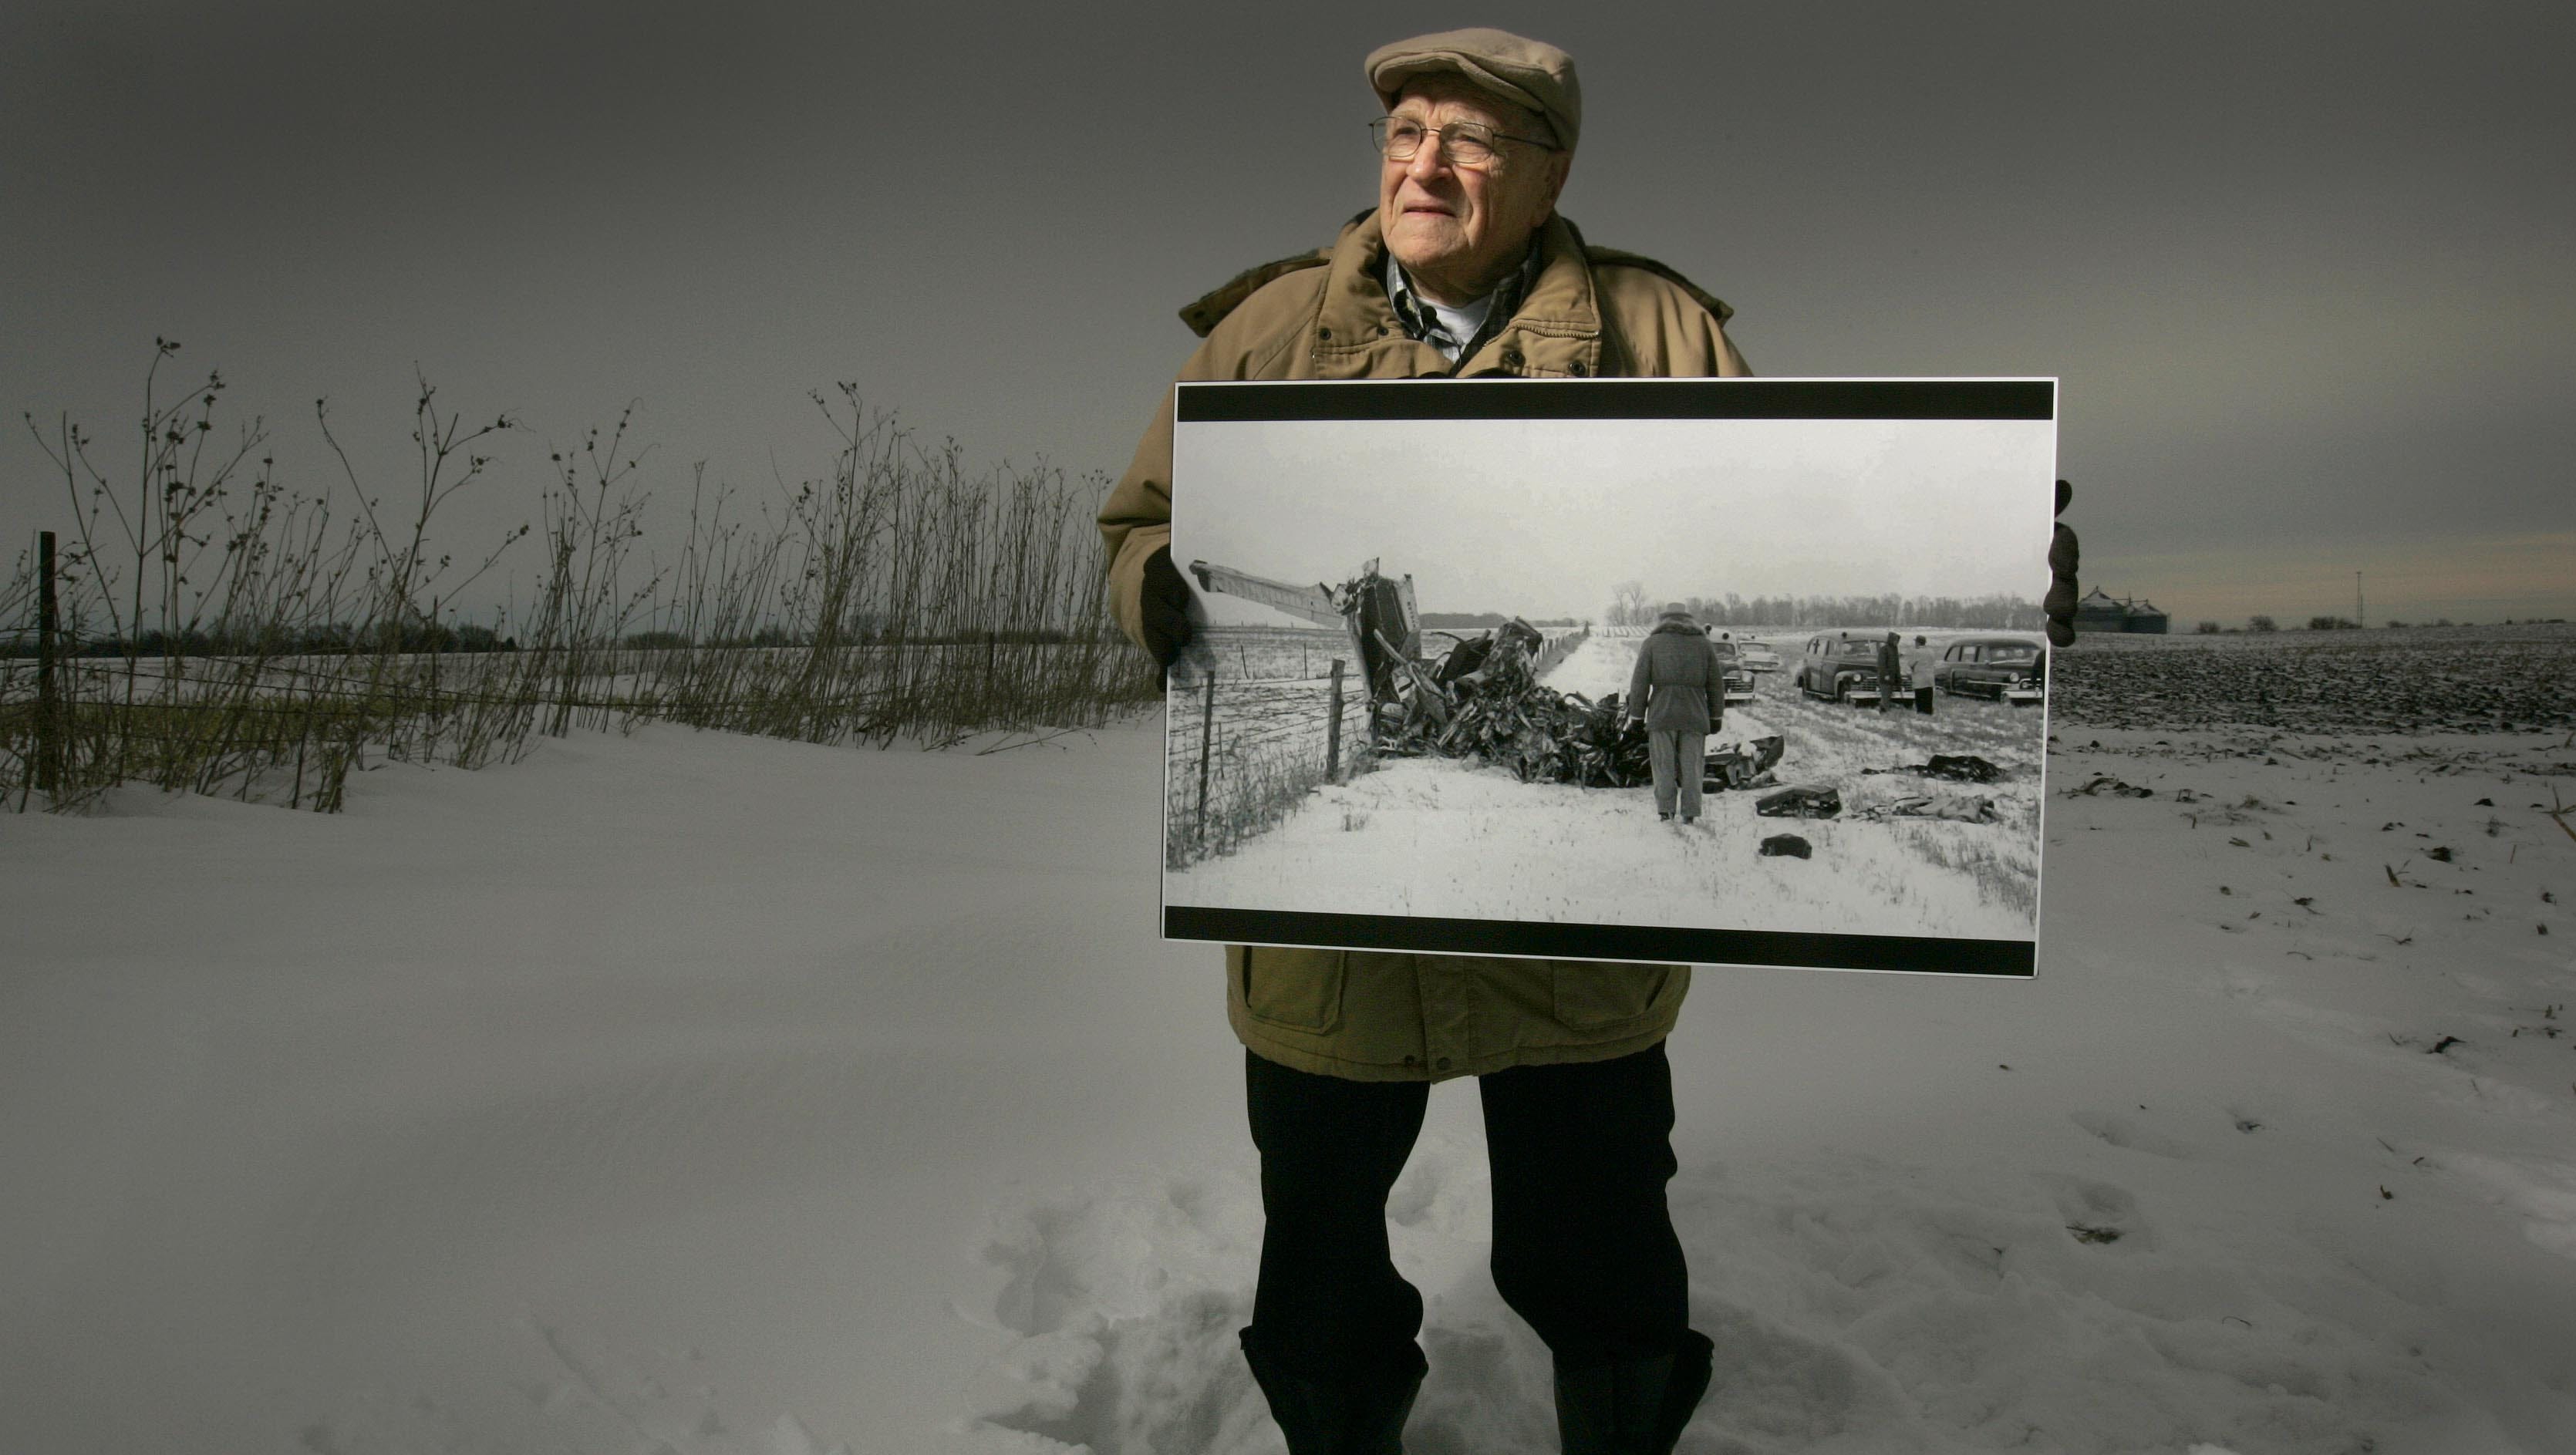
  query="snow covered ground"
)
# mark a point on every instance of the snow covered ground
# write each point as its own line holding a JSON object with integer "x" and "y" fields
{"x": 692, "y": 1094}
{"x": 1445, "y": 837}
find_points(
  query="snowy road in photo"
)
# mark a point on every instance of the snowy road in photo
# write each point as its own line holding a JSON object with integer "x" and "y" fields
{"x": 1455, "y": 839}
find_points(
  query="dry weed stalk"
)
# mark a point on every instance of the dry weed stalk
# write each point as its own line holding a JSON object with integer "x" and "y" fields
{"x": 898, "y": 599}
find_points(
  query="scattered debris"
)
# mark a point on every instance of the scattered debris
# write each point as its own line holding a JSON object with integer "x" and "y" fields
{"x": 1801, "y": 801}
{"x": 1786, "y": 846}
{"x": 2087, "y": 1233}
{"x": 2444, "y": 1044}
{"x": 1963, "y": 807}
{"x": 2439, "y": 854}
{"x": 1480, "y": 697}
{"x": 2101, "y": 783}
{"x": 1957, "y": 767}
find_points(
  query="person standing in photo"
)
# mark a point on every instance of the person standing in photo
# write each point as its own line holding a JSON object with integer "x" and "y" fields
{"x": 1678, "y": 690}
{"x": 1920, "y": 672}
{"x": 1891, "y": 673}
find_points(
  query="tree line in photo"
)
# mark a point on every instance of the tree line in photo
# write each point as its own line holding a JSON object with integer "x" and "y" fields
{"x": 1632, "y": 605}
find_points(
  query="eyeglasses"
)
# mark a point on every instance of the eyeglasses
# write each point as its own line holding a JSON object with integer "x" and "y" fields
{"x": 1464, "y": 143}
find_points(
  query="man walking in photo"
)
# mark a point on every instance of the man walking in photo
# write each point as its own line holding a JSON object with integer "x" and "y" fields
{"x": 1678, "y": 689}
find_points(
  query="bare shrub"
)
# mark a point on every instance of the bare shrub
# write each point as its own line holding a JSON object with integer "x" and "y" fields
{"x": 227, "y": 634}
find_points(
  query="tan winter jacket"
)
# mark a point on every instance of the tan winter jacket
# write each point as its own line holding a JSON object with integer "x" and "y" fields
{"x": 1590, "y": 313}
{"x": 1679, "y": 682}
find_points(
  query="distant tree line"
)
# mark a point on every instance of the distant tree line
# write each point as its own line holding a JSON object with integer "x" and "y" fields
{"x": 273, "y": 641}
{"x": 2345, "y": 624}
{"x": 420, "y": 637}
{"x": 1633, "y": 607}
{"x": 1459, "y": 620}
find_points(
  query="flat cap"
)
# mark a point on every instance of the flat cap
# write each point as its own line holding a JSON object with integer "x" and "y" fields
{"x": 1527, "y": 72}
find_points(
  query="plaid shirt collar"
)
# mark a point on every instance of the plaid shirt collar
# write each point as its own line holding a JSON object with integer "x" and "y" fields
{"x": 1424, "y": 323}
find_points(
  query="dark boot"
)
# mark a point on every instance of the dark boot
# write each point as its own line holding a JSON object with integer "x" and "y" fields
{"x": 1362, "y": 1415}
{"x": 1632, "y": 1406}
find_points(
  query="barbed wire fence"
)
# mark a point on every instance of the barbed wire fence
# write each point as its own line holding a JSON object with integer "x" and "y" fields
{"x": 1240, "y": 753}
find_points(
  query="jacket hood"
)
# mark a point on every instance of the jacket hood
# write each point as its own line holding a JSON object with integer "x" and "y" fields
{"x": 1678, "y": 624}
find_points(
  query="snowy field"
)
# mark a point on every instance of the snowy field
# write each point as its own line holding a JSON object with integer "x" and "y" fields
{"x": 698, "y": 1095}
{"x": 1446, "y": 837}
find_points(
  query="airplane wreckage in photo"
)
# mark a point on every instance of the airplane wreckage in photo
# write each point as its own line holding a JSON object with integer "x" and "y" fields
{"x": 1478, "y": 695}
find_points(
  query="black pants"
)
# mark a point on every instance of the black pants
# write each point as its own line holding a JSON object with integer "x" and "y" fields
{"x": 1583, "y": 1244}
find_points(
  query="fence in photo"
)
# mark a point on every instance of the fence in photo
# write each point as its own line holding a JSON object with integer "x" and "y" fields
{"x": 1561, "y": 644}
{"x": 1241, "y": 752}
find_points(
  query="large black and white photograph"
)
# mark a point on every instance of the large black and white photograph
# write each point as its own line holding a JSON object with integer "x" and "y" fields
{"x": 1723, "y": 672}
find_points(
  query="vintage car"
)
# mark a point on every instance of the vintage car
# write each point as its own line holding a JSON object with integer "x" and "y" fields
{"x": 1739, "y": 678}
{"x": 1757, "y": 657}
{"x": 2007, "y": 669}
{"x": 1844, "y": 668}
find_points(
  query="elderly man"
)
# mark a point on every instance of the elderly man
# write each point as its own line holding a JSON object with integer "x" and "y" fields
{"x": 1678, "y": 690}
{"x": 1463, "y": 268}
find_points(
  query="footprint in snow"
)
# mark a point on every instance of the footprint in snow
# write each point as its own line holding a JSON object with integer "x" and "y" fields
{"x": 2099, "y": 1213}
{"x": 2126, "y": 1134}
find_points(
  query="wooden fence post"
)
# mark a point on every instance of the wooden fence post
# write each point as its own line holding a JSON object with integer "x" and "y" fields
{"x": 1333, "y": 730}
{"x": 1207, "y": 735}
{"x": 48, "y": 705}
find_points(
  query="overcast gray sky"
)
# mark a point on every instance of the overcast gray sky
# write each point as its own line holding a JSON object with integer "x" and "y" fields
{"x": 2303, "y": 268}
{"x": 1544, "y": 518}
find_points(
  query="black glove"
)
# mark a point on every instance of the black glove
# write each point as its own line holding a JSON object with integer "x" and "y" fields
{"x": 2059, "y": 603}
{"x": 1164, "y": 609}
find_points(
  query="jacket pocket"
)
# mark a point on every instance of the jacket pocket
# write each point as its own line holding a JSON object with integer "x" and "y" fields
{"x": 1593, "y": 996}
{"x": 1294, "y": 989}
